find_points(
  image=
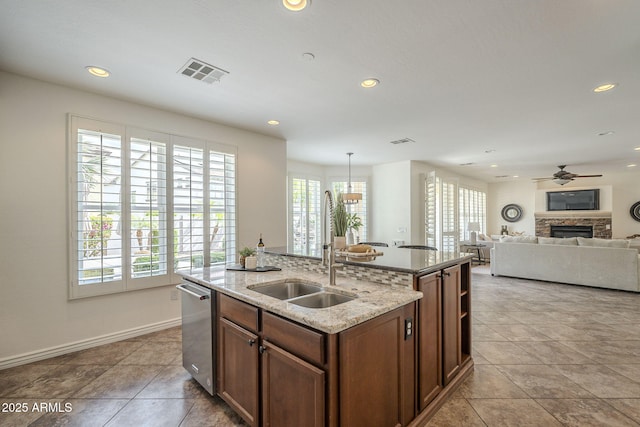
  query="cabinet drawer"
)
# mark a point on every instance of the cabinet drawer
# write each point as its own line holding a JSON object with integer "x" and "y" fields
{"x": 302, "y": 342}
{"x": 239, "y": 312}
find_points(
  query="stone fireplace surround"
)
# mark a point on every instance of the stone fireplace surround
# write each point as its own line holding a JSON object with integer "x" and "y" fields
{"x": 599, "y": 220}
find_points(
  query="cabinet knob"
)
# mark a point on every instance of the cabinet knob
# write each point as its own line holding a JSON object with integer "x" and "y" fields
{"x": 251, "y": 342}
{"x": 447, "y": 274}
{"x": 262, "y": 349}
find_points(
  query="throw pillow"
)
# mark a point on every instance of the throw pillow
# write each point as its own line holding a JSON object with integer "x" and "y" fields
{"x": 569, "y": 241}
{"x": 519, "y": 239}
{"x": 603, "y": 243}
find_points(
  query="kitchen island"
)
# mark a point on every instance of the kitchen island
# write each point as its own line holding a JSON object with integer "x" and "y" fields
{"x": 390, "y": 355}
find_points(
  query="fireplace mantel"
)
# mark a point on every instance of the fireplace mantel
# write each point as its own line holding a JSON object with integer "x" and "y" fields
{"x": 572, "y": 214}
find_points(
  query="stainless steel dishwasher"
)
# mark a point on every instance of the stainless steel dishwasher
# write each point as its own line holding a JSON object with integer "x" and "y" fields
{"x": 198, "y": 334}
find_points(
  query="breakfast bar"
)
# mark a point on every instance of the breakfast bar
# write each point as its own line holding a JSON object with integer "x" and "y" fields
{"x": 385, "y": 346}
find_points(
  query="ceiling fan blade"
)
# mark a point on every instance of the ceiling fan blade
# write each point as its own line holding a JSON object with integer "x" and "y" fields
{"x": 542, "y": 179}
{"x": 587, "y": 176}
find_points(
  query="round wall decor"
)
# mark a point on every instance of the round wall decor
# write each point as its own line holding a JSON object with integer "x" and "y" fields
{"x": 511, "y": 213}
{"x": 635, "y": 211}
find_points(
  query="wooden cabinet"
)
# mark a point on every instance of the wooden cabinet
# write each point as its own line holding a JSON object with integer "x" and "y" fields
{"x": 451, "y": 327}
{"x": 238, "y": 369}
{"x": 262, "y": 381}
{"x": 444, "y": 327}
{"x": 430, "y": 379}
{"x": 275, "y": 372}
{"x": 377, "y": 371}
{"x": 293, "y": 391}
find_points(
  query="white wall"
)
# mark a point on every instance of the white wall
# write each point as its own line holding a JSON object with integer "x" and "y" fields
{"x": 521, "y": 192}
{"x": 391, "y": 202}
{"x": 35, "y": 313}
{"x": 618, "y": 191}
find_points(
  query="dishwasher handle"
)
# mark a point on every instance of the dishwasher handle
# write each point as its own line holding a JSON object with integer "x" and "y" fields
{"x": 185, "y": 289}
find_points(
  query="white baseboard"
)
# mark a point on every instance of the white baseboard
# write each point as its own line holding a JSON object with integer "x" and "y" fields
{"x": 35, "y": 356}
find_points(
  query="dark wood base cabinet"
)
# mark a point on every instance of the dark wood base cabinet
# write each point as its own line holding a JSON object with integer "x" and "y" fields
{"x": 377, "y": 371}
{"x": 394, "y": 370}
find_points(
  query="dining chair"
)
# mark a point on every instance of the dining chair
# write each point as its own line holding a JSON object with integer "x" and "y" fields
{"x": 374, "y": 244}
{"x": 426, "y": 248}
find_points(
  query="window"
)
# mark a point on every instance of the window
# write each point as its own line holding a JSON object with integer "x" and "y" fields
{"x": 472, "y": 206}
{"x": 145, "y": 204}
{"x": 449, "y": 208}
{"x": 305, "y": 210}
{"x": 359, "y": 209}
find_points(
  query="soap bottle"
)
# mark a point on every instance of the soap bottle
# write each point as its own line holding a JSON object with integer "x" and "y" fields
{"x": 260, "y": 253}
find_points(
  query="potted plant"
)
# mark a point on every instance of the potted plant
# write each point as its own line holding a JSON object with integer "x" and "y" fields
{"x": 340, "y": 222}
{"x": 353, "y": 224}
{"x": 244, "y": 253}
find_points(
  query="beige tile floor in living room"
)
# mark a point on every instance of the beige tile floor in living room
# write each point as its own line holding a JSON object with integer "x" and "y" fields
{"x": 546, "y": 355}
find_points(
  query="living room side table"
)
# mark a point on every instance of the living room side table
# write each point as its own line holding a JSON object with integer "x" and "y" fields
{"x": 469, "y": 248}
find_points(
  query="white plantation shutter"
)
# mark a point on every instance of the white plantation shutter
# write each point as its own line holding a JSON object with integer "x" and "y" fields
{"x": 305, "y": 216}
{"x": 222, "y": 207}
{"x": 149, "y": 233}
{"x": 473, "y": 208}
{"x": 188, "y": 205}
{"x": 441, "y": 213}
{"x": 144, "y": 204}
{"x": 360, "y": 208}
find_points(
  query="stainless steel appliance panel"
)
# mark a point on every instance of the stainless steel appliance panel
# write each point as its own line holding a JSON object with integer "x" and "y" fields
{"x": 198, "y": 334}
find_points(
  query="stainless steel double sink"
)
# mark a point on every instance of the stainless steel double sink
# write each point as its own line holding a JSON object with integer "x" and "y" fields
{"x": 301, "y": 292}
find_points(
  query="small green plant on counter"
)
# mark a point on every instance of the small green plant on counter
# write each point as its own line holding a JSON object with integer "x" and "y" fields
{"x": 247, "y": 251}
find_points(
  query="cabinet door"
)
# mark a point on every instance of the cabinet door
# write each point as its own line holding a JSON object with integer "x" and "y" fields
{"x": 451, "y": 332}
{"x": 429, "y": 339}
{"x": 293, "y": 391}
{"x": 238, "y": 360}
{"x": 377, "y": 371}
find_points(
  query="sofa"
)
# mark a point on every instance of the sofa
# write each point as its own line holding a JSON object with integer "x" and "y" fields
{"x": 595, "y": 262}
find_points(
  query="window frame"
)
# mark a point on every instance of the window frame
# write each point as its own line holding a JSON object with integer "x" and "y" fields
{"x": 290, "y": 227}
{"x": 128, "y": 280}
{"x": 339, "y": 181}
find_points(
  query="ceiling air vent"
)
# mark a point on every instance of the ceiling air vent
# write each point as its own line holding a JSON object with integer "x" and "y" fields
{"x": 402, "y": 141}
{"x": 200, "y": 70}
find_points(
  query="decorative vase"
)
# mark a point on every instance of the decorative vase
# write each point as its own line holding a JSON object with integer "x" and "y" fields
{"x": 340, "y": 242}
{"x": 350, "y": 238}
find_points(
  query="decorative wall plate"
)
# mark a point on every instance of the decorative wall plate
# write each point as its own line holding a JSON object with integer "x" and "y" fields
{"x": 511, "y": 213}
{"x": 635, "y": 211}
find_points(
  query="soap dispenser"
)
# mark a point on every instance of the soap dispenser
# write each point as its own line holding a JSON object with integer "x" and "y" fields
{"x": 260, "y": 253}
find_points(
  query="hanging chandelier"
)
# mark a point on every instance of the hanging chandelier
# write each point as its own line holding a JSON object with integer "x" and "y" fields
{"x": 350, "y": 198}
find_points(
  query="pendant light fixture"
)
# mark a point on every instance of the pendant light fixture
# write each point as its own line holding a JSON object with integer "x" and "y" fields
{"x": 351, "y": 198}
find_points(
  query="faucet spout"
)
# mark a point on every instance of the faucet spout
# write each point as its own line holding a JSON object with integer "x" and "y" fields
{"x": 328, "y": 248}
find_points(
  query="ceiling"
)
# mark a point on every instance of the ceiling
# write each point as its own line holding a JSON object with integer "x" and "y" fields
{"x": 492, "y": 82}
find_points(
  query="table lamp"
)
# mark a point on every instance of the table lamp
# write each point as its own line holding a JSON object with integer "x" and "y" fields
{"x": 473, "y": 227}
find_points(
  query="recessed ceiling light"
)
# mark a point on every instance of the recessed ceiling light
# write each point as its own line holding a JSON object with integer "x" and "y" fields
{"x": 491, "y": 150}
{"x": 494, "y": 166}
{"x": 609, "y": 132}
{"x": 308, "y": 56}
{"x": 369, "y": 83}
{"x": 98, "y": 71}
{"x": 605, "y": 87}
{"x": 632, "y": 165}
{"x": 637, "y": 148}
{"x": 273, "y": 122}
{"x": 516, "y": 176}
{"x": 296, "y": 5}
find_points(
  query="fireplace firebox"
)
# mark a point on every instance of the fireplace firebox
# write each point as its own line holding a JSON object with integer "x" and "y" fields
{"x": 571, "y": 231}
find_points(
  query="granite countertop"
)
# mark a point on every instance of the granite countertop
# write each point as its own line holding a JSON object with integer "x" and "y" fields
{"x": 414, "y": 261}
{"x": 372, "y": 299}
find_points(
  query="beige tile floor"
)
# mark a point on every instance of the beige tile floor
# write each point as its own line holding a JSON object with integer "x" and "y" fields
{"x": 546, "y": 355}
